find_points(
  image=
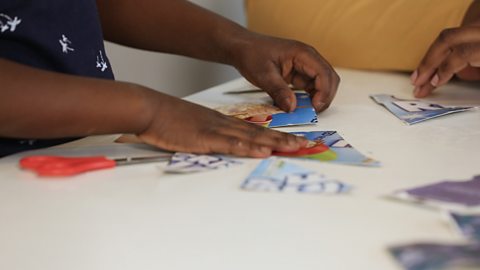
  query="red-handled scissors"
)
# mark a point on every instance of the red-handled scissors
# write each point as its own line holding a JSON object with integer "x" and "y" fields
{"x": 68, "y": 166}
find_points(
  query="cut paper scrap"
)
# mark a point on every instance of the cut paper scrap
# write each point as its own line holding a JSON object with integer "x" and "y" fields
{"x": 467, "y": 224}
{"x": 190, "y": 163}
{"x": 433, "y": 256}
{"x": 268, "y": 115}
{"x": 277, "y": 175}
{"x": 415, "y": 111}
{"x": 448, "y": 195}
{"x": 329, "y": 146}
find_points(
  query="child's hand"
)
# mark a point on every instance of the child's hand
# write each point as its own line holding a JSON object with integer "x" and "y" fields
{"x": 49, "y": 105}
{"x": 272, "y": 64}
{"x": 178, "y": 125}
{"x": 269, "y": 63}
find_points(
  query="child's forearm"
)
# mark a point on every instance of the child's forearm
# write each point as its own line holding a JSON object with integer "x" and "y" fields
{"x": 41, "y": 104}
{"x": 180, "y": 27}
{"x": 171, "y": 26}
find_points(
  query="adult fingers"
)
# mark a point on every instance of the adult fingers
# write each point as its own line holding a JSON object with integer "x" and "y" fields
{"x": 423, "y": 90}
{"x": 469, "y": 74}
{"x": 441, "y": 49}
{"x": 463, "y": 56}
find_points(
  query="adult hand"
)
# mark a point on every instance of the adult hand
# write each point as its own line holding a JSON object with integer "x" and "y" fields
{"x": 273, "y": 63}
{"x": 178, "y": 125}
{"x": 456, "y": 52}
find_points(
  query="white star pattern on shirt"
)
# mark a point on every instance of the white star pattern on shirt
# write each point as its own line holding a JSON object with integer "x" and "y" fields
{"x": 101, "y": 63}
{"x": 65, "y": 43}
{"x": 28, "y": 142}
{"x": 6, "y": 23}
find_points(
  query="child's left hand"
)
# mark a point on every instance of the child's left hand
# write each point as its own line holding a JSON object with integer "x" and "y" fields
{"x": 268, "y": 62}
{"x": 273, "y": 63}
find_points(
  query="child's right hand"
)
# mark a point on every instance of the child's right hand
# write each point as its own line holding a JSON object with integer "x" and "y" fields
{"x": 179, "y": 125}
{"x": 47, "y": 105}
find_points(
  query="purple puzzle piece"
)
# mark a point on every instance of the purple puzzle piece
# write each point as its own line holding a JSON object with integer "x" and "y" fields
{"x": 428, "y": 256}
{"x": 465, "y": 192}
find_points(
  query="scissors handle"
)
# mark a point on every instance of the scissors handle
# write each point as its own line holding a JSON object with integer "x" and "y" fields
{"x": 65, "y": 166}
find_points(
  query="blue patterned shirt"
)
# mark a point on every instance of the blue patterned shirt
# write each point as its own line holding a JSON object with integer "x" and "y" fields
{"x": 60, "y": 36}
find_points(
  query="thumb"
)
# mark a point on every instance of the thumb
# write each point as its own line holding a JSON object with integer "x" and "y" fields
{"x": 469, "y": 74}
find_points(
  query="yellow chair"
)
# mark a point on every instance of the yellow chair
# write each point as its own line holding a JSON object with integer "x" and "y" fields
{"x": 362, "y": 34}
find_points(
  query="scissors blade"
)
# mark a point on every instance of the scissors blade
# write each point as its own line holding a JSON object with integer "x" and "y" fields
{"x": 141, "y": 160}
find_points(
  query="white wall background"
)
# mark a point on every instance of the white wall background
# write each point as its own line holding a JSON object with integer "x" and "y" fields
{"x": 175, "y": 75}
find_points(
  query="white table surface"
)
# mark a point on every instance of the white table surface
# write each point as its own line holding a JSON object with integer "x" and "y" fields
{"x": 136, "y": 217}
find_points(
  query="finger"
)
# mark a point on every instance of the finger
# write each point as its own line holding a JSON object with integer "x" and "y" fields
{"x": 278, "y": 89}
{"x": 248, "y": 146}
{"x": 322, "y": 99}
{"x": 279, "y": 141}
{"x": 325, "y": 97}
{"x": 469, "y": 74}
{"x": 453, "y": 64}
{"x": 441, "y": 49}
{"x": 231, "y": 145}
{"x": 423, "y": 90}
{"x": 300, "y": 81}
{"x": 464, "y": 55}
{"x": 324, "y": 78}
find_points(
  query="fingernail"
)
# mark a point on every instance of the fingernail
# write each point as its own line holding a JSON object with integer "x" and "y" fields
{"x": 287, "y": 104}
{"x": 435, "y": 80}
{"x": 414, "y": 77}
{"x": 320, "y": 105}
